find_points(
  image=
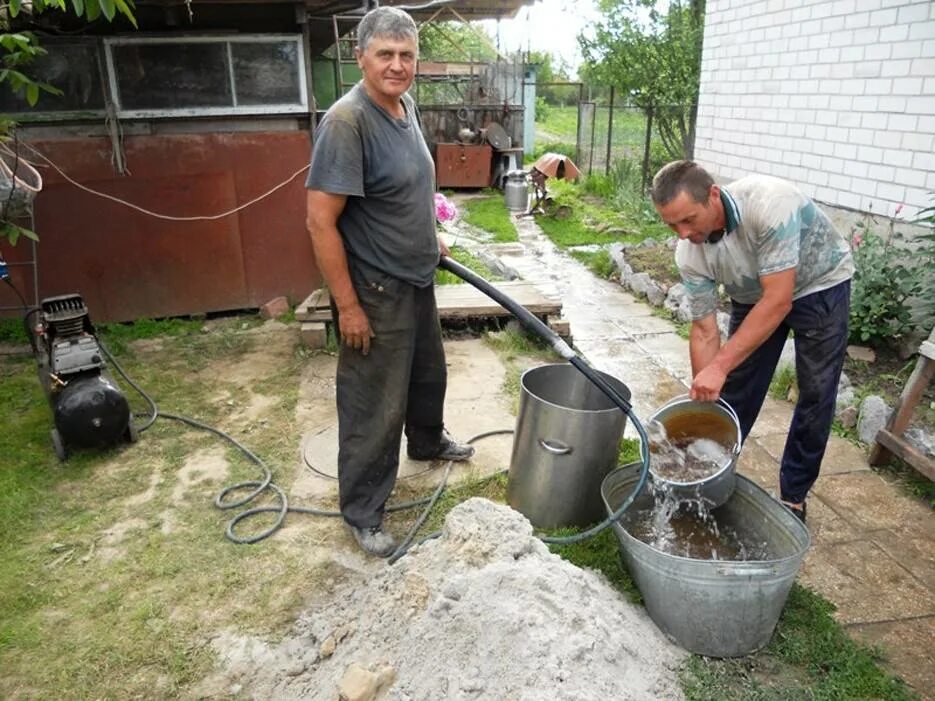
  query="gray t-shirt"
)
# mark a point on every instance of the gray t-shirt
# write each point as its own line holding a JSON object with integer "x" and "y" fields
{"x": 384, "y": 167}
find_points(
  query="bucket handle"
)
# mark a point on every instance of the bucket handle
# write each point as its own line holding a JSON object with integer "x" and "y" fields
{"x": 555, "y": 447}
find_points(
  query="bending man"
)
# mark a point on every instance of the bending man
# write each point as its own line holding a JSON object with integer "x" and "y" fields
{"x": 785, "y": 267}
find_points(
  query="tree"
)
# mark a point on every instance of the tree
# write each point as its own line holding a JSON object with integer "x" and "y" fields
{"x": 19, "y": 49}
{"x": 552, "y": 69}
{"x": 455, "y": 41}
{"x": 654, "y": 56}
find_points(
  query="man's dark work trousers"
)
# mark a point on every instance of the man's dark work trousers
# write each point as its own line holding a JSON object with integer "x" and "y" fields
{"x": 401, "y": 382}
{"x": 819, "y": 325}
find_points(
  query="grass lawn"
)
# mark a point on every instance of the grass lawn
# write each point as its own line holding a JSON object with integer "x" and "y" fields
{"x": 115, "y": 569}
{"x": 490, "y": 214}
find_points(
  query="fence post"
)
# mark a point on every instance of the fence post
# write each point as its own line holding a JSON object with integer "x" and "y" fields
{"x": 646, "y": 149}
{"x": 610, "y": 132}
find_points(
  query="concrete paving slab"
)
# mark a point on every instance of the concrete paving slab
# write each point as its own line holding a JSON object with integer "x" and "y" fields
{"x": 908, "y": 650}
{"x": 643, "y": 325}
{"x": 826, "y": 526}
{"x": 865, "y": 583}
{"x": 757, "y": 465}
{"x": 915, "y": 551}
{"x": 670, "y": 351}
{"x": 841, "y": 456}
{"x": 870, "y": 503}
{"x": 775, "y": 416}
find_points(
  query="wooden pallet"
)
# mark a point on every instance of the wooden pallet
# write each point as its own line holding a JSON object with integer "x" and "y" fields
{"x": 455, "y": 302}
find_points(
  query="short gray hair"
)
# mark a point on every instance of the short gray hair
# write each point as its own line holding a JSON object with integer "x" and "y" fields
{"x": 386, "y": 22}
{"x": 681, "y": 176}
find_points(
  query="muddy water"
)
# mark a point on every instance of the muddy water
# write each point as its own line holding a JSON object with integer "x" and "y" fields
{"x": 677, "y": 457}
{"x": 688, "y": 529}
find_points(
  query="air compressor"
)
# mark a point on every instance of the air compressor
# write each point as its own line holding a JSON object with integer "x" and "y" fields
{"x": 89, "y": 409}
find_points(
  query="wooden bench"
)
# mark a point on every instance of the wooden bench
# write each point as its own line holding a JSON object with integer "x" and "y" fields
{"x": 889, "y": 440}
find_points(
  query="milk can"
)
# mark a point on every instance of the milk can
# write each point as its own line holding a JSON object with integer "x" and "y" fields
{"x": 516, "y": 191}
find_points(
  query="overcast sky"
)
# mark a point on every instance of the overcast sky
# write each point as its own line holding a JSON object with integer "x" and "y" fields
{"x": 548, "y": 25}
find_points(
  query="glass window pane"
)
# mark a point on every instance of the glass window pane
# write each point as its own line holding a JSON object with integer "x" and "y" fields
{"x": 172, "y": 76}
{"x": 73, "y": 69}
{"x": 266, "y": 73}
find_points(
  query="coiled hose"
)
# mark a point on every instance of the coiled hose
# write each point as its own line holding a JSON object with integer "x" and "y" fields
{"x": 256, "y": 488}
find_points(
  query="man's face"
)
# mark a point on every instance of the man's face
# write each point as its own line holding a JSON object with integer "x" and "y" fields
{"x": 693, "y": 220}
{"x": 388, "y": 65}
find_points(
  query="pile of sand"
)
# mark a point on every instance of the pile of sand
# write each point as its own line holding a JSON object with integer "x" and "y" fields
{"x": 484, "y": 612}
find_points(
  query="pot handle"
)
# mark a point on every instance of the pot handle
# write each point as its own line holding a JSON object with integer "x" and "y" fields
{"x": 555, "y": 447}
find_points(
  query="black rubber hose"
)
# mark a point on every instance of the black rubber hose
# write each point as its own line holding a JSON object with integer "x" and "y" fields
{"x": 530, "y": 321}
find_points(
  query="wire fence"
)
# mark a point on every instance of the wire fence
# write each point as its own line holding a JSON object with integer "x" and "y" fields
{"x": 605, "y": 136}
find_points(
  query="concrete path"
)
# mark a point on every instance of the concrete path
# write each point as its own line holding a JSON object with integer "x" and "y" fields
{"x": 873, "y": 551}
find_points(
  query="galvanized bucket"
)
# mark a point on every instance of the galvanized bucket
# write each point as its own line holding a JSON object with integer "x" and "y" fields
{"x": 566, "y": 441}
{"x": 716, "y": 608}
{"x": 685, "y": 418}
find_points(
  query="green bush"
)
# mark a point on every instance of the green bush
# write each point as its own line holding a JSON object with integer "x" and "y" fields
{"x": 882, "y": 286}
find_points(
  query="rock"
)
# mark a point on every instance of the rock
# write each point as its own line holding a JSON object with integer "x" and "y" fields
{"x": 844, "y": 382}
{"x": 672, "y": 242}
{"x": 314, "y": 334}
{"x": 649, "y": 243}
{"x": 643, "y": 284}
{"x": 275, "y": 307}
{"x": 498, "y": 266}
{"x": 678, "y": 303}
{"x": 793, "y": 394}
{"x": 358, "y": 684}
{"x": 626, "y": 276}
{"x": 873, "y": 414}
{"x": 845, "y": 398}
{"x": 616, "y": 254}
{"x": 328, "y": 647}
{"x": 861, "y": 353}
{"x": 925, "y": 442}
{"x": 848, "y": 416}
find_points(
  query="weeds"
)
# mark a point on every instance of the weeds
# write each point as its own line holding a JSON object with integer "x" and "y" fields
{"x": 598, "y": 262}
{"x": 468, "y": 260}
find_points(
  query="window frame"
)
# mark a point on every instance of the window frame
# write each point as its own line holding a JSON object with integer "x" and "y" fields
{"x": 232, "y": 110}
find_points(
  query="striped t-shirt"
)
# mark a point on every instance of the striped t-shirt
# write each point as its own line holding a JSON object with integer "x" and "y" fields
{"x": 770, "y": 227}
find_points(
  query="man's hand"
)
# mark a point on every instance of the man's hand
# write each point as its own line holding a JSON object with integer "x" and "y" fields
{"x": 443, "y": 249}
{"x": 707, "y": 385}
{"x": 355, "y": 328}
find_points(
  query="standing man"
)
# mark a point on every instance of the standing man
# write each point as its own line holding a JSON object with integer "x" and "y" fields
{"x": 371, "y": 216}
{"x": 785, "y": 267}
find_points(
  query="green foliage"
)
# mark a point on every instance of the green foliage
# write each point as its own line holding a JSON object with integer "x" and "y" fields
{"x": 882, "y": 286}
{"x": 782, "y": 381}
{"x": 598, "y": 262}
{"x": 468, "y": 260}
{"x": 809, "y": 657}
{"x": 490, "y": 214}
{"x": 455, "y": 41}
{"x": 655, "y": 59}
{"x": 18, "y": 49}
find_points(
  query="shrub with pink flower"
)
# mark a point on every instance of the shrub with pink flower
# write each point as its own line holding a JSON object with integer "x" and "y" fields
{"x": 445, "y": 210}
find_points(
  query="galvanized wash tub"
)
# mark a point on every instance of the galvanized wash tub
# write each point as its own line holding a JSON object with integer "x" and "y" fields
{"x": 566, "y": 441}
{"x": 685, "y": 418}
{"x": 717, "y": 608}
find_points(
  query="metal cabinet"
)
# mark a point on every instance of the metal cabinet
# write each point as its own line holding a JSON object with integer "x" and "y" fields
{"x": 462, "y": 165}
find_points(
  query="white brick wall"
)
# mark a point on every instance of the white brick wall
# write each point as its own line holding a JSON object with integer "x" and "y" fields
{"x": 838, "y": 95}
